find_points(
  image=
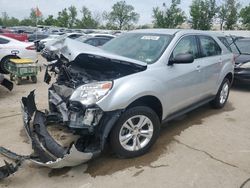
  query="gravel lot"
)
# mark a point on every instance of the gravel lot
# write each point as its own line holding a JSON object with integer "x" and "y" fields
{"x": 205, "y": 148}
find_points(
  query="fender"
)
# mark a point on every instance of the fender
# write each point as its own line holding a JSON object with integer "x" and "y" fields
{"x": 124, "y": 92}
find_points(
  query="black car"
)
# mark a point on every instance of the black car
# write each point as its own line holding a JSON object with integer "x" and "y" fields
{"x": 240, "y": 46}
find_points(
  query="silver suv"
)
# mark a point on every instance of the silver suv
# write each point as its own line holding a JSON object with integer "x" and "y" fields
{"x": 122, "y": 93}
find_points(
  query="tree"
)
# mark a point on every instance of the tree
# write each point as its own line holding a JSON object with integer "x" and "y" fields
{"x": 222, "y": 14}
{"x": 232, "y": 7}
{"x": 168, "y": 17}
{"x": 5, "y": 19}
{"x": 13, "y": 22}
{"x": 26, "y": 22}
{"x": 245, "y": 16}
{"x": 202, "y": 13}
{"x": 121, "y": 16}
{"x": 50, "y": 20}
{"x": 87, "y": 21}
{"x": 72, "y": 16}
{"x": 63, "y": 18}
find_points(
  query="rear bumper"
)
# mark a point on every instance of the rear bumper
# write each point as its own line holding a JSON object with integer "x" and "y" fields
{"x": 47, "y": 151}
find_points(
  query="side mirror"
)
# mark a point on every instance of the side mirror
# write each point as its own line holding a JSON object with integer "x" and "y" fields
{"x": 181, "y": 59}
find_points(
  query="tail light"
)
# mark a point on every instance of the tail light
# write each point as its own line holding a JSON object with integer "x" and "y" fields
{"x": 32, "y": 47}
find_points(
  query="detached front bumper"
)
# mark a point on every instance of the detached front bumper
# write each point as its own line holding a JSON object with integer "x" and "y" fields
{"x": 48, "y": 152}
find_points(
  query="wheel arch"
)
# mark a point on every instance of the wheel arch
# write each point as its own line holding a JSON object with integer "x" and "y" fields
{"x": 150, "y": 101}
{"x": 229, "y": 76}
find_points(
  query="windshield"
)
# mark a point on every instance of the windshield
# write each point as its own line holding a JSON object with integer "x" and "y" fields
{"x": 139, "y": 46}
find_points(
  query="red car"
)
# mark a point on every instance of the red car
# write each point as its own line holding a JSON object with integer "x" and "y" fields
{"x": 21, "y": 37}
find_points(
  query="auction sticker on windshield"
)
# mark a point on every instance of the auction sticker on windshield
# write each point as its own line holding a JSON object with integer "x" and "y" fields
{"x": 150, "y": 38}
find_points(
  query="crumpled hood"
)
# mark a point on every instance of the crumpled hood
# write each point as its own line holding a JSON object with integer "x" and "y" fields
{"x": 70, "y": 49}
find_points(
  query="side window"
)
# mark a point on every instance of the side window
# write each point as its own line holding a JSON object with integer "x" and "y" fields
{"x": 209, "y": 46}
{"x": 187, "y": 45}
{"x": 4, "y": 41}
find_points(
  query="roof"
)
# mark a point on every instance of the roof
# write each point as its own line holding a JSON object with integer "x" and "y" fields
{"x": 174, "y": 31}
{"x": 156, "y": 31}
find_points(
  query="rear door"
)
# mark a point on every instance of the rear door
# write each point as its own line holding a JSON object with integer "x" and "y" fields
{"x": 211, "y": 63}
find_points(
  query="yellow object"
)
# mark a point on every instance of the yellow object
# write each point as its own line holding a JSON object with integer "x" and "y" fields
{"x": 22, "y": 61}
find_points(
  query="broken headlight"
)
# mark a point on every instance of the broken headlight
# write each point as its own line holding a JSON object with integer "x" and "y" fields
{"x": 91, "y": 93}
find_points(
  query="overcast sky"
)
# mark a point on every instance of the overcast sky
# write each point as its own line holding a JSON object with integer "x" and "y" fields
{"x": 21, "y": 8}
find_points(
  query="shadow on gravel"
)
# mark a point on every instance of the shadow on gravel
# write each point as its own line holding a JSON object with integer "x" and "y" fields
{"x": 108, "y": 163}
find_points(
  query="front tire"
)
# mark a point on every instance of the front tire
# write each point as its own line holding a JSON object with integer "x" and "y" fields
{"x": 222, "y": 95}
{"x": 135, "y": 132}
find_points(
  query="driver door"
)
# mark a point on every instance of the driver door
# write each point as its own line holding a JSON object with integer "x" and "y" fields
{"x": 184, "y": 80}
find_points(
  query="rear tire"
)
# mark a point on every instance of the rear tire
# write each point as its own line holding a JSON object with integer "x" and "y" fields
{"x": 222, "y": 95}
{"x": 135, "y": 132}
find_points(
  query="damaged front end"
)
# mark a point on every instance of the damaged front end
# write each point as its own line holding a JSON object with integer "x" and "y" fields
{"x": 82, "y": 80}
{"x": 90, "y": 124}
{"x": 47, "y": 151}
